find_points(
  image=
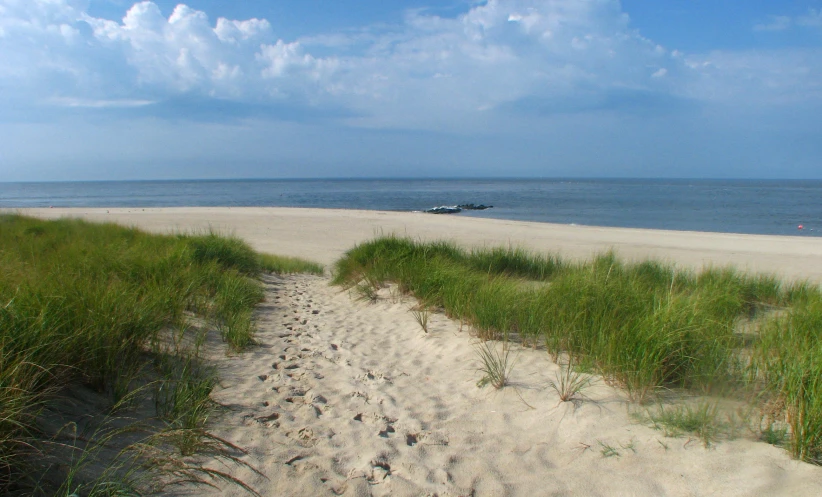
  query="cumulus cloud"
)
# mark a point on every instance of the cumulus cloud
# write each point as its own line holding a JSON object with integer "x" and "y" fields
{"x": 427, "y": 72}
{"x": 185, "y": 52}
{"x": 437, "y": 70}
{"x": 55, "y": 46}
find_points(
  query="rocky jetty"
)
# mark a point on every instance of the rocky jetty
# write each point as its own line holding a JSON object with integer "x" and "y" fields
{"x": 474, "y": 207}
{"x": 455, "y": 209}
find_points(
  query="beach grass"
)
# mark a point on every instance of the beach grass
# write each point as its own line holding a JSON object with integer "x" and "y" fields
{"x": 788, "y": 359}
{"x": 702, "y": 420}
{"x": 92, "y": 304}
{"x": 421, "y": 314}
{"x": 647, "y": 327}
{"x": 495, "y": 364}
{"x": 569, "y": 383}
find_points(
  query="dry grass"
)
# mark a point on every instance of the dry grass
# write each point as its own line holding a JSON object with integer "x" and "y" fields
{"x": 421, "y": 314}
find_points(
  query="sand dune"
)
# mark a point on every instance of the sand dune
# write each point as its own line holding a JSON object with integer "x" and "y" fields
{"x": 324, "y": 234}
{"x": 348, "y": 398}
{"x": 341, "y": 397}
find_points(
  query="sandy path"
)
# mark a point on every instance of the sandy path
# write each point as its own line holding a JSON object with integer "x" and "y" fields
{"x": 324, "y": 234}
{"x": 349, "y": 398}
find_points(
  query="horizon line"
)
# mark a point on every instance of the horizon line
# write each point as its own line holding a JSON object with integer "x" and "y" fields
{"x": 410, "y": 178}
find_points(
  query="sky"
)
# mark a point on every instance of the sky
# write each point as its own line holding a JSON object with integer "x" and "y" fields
{"x": 117, "y": 89}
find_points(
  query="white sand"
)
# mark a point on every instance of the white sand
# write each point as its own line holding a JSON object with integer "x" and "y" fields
{"x": 349, "y": 398}
{"x": 324, "y": 234}
{"x": 343, "y": 397}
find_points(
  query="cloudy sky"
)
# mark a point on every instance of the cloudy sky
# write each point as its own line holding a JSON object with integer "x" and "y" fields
{"x": 112, "y": 89}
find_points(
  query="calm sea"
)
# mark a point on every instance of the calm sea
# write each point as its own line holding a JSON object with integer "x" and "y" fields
{"x": 764, "y": 207}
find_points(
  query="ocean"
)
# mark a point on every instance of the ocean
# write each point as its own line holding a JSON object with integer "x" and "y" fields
{"x": 735, "y": 206}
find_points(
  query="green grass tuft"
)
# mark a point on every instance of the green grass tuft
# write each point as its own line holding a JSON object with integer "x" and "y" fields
{"x": 701, "y": 420}
{"x": 285, "y": 265}
{"x": 569, "y": 384}
{"x": 495, "y": 365}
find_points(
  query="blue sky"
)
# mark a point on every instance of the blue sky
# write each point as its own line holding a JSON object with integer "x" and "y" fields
{"x": 113, "y": 89}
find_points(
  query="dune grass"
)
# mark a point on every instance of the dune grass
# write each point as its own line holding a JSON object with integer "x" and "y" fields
{"x": 644, "y": 326}
{"x": 788, "y": 359}
{"x": 569, "y": 383}
{"x": 701, "y": 420}
{"x": 84, "y": 303}
{"x": 495, "y": 365}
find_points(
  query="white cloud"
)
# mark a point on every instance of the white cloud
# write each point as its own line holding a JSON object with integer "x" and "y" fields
{"x": 279, "y": 58}
{"x": 184, "y": 52}
{"x": 499, "y": 52}
{"x": 661, "y": 73}
{"x": 98, "y": 104}
{"x": 237, "y": 31}
{"x": 428, "y": 72}
{"x": 755, "y": 78}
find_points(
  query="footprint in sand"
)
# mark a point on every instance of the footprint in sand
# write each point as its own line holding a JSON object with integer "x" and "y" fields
{"x": 296, "y": 392}
{"x": 388, "y": 431}
{"x": 361, "y": 395}
{"x": 385, "y": 424}
{"x": 296, "y": 375}
{"x": 270, "y": 421}
{"x": 374, "y": 376}
{"x": 380, "y": 469}
{"x": 372, "y": 418}
{"x": 304, "y": 437}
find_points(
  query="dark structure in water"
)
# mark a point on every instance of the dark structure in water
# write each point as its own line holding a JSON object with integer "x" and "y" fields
{"x": 455, "y": 209}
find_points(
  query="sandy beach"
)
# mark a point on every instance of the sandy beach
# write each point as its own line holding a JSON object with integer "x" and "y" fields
{"x": 343, "y": 397}
{"x": 323, "y": 235}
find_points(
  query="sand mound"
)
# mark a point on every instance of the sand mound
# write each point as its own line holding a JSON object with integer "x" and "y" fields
{"x": 351, "y": 398}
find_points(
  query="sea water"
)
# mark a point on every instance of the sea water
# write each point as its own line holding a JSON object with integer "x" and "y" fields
{"x": 737, "y": 206}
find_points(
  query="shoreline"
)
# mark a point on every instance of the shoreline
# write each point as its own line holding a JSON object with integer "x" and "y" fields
{"x": 94, "y": 210}
{"x": 324, "y": 235}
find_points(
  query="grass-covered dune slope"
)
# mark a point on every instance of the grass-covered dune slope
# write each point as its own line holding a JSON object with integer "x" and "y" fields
{"x": 647, "y": 327}
{"x": 94, "y": 305}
